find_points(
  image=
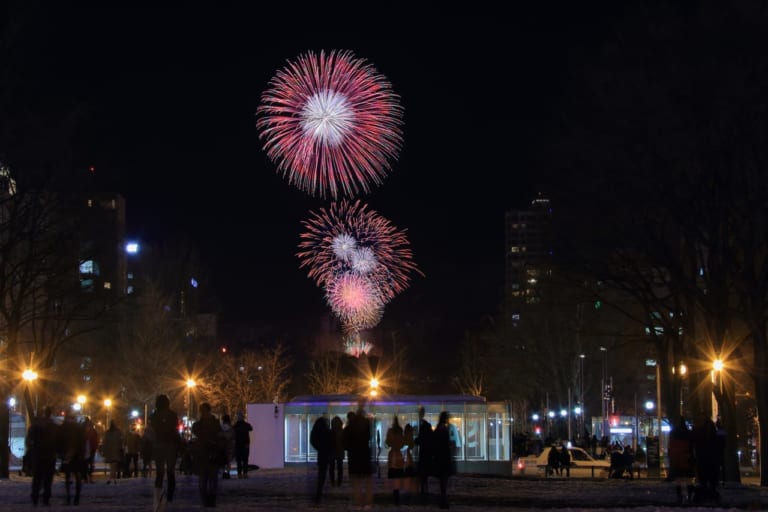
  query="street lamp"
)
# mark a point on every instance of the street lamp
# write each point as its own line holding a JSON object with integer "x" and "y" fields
{"x": 30, "y": 376}
{"x": 190, "y": 384}
{"x": 682, "y": 370}
{"x": 374, "y": 386}
{"x": 717, "y": 385}
{"x": 81, "y": 399}
{"x": 108, "y": 405}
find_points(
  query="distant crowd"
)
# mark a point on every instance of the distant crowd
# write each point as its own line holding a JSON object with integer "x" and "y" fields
{"x": 218, "y": 448}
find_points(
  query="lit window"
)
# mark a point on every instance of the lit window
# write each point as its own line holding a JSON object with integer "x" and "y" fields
{"x": 193, "y": 282}
{"x": 107, "y": 285}
{"x": 516, "y": 316}
{"x": 132, "y": 247}
{"x": 86, "y": 267}
{"x": 90, "y": 203}
{"x": 130, "y": 275}
{"x": 515, "y": 249}
{"x": 129, "y": 290}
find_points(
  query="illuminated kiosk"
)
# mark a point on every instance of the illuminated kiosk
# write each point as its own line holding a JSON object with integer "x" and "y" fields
{"x": 482, "y": 429}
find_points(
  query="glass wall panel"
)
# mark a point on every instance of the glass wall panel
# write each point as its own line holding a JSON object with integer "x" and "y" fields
{"x": 474, "y": 447}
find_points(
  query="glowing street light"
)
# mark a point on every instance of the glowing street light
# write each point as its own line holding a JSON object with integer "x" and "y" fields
{"x": 190, "y": 384}
{"x": 374, "y": 386}
{"x": 30, "y": 376}
{"x": 108, "y": 405}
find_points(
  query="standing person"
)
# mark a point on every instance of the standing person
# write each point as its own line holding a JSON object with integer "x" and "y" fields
{"x": 443, "y": 456}
{"x": 348, "y": 435}
{"x": 359, "y": 452}
{"x": 208, "y": 456}
{"x": 336, "y": 467}
{"x": 147, "y": 442}
{"x": 704, "y": 437}
{"x": 112, "y": 449}
{"x": 132, "y": 447}
{"x": 321, "y": 441}
{"x": 410, "y": 469}
{"x": 243, "y": 431}
{"x": 72, "y": 446}
{"x": 565, "y": 460}
{"x": 425, "y": 454}
{"x": 92, "y": 438}
{"x": 165, "y": 425}
{"x": 395, "y": 439}
{"x": 41, "y": 450}
{"x": 228, "y": 434}
{"x": 681, "y": 460}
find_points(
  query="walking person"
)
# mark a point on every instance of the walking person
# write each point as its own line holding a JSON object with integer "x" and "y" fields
{"x": 443, "y": 456}
{"x": 228, "y": 434}
{"x": 243, "y": 431}
{"x": 395, "y": 439}
{"x": 41, "y": 450}
{"x": 321, "y": 441}
{"x": 72, "y": 446}
{"x": 132, "y": 448}
{"x": 112, "y": 449}
{"x": 208, "y": 454}
{"x": 164, "y": 424}
{"x": 359, "y": 452}
{"x": 424, "y": 460}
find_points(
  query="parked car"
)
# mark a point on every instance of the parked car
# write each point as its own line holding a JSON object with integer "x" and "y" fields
{"x": 583, "y": 465}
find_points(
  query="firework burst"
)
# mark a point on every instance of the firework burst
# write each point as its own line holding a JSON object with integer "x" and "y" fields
{"x": 331, "y": 123}
{"x": 380, "y": 251}
{"x": 355, "y": 300}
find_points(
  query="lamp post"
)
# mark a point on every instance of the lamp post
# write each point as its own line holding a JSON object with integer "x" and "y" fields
{"x": 81, "y": 399}
{"x": 717, "y": 386}
{"x": 108, "y": 405}
{"x": 30, "y": 376}
{"x": 374, "y": 387}
{"x": 190, "y": 384}
{"x": 682, "y": 370}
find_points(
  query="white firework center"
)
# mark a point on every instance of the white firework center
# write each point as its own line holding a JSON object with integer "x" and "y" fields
{"x": 344, "y": 246}
{"x": 327, "y": 117}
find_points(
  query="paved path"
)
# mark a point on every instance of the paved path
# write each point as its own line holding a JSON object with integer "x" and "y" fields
{"x": 292, "y": 488}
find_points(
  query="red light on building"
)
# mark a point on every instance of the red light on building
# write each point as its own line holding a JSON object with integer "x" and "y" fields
{"x": 91, "y": 168}
{"x": 223, "y": 350}
{"x": 614, "y": 421}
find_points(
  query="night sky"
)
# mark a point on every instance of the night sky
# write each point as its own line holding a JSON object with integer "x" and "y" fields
{"x": 167, "y": 101}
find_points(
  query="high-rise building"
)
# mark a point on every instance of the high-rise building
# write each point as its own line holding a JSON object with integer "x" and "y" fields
{"x": 528, "y": 247}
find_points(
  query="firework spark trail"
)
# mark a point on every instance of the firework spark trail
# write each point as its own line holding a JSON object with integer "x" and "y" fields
{"x": 347, "y": 236}
{"x": 331, "y": 123}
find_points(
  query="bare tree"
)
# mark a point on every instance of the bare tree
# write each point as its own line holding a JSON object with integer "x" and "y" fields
{"x": 326, "y": 375}
{"x": 149, "y": 350}
{"x": 230, "y": 382}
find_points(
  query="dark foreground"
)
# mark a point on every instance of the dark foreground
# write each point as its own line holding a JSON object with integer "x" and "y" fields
{"x": 292, "y": 489}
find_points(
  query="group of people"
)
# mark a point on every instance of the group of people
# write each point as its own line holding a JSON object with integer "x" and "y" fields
{"x": 695, "y": 460}
{"x": 558, "y": 461}
{"x": 214, "y": 446}
{"x": 415, "y": 454}
{"x": 73, "y": 443}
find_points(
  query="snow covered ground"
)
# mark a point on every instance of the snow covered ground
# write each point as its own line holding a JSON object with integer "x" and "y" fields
{"x": 292, "y": 489}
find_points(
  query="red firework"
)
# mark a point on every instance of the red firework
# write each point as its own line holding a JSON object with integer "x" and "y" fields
{"x": 331, "y": 123}
{"x": 355, "y": 300}
{"x": 388, "y": 250}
